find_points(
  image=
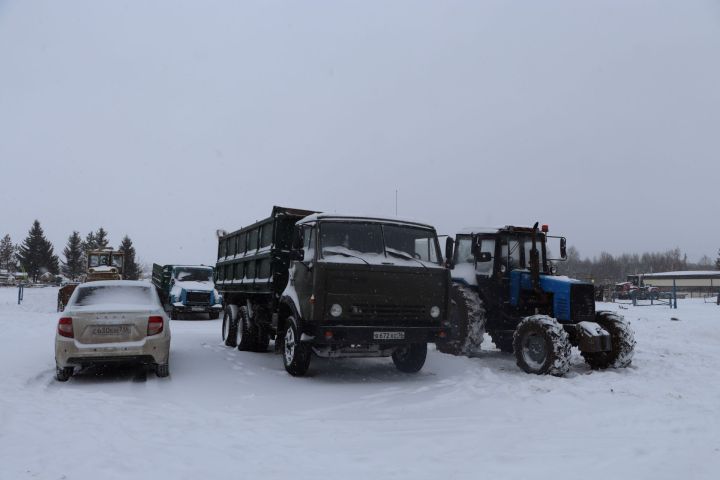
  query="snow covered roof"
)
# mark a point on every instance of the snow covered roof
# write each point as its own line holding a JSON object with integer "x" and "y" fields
{"x": 685, "y": 274}
{"x": 370, "y": 218}
{"x": 471, "y": 230}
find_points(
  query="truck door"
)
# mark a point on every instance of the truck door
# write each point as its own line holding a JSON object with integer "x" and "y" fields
{"x": 303, "y": 271}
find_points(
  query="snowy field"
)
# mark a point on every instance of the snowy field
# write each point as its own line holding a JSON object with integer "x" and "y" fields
{"x": 229, "y": 414}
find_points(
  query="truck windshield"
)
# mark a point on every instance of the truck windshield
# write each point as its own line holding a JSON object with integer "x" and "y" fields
{"x": 347, "y": 239}
{"x": 193, "y": 275}
{"x": 366, "y": 240}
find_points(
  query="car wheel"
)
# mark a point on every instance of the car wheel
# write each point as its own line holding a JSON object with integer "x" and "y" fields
{"x": 63, "y": 374}
{"x": 162, "y": 370}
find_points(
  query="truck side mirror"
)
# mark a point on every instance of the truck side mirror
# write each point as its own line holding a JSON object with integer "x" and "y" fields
{"x": 449, "y": 247}
{"x": 484, "y": 257}
{"x": 297, "y": 255}
{"x": 563, "y": 248}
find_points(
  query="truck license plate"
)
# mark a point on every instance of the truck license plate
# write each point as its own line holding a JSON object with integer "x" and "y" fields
{"x": 198, "y": 309}
{"x": 388, "y": 335}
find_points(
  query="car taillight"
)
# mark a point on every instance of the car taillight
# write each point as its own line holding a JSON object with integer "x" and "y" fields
{"x": 155, "y": 325}
{"x": 65, "y": 328}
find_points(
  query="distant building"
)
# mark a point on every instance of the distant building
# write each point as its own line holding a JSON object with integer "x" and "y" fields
{"x": 701, "y": 281}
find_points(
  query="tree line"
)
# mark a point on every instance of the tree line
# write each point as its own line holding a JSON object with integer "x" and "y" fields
{"x": 36, "y": 254}
{"x": 607, "y": 268}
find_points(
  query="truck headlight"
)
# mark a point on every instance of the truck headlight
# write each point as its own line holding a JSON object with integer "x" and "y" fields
{"x": 336, "y": 310}
{"x": 435, "y": 311}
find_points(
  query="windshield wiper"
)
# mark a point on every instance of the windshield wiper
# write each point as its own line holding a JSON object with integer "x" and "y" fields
{"x": 404, "y": 255}
{"x": 344, "y": 254}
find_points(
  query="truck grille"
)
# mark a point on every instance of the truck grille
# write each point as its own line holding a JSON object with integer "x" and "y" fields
{"x": 368, "y": 311}
{"x": 197, "y": 298}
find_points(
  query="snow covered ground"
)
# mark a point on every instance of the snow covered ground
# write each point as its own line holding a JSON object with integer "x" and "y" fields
{"x": 229, "y": 414}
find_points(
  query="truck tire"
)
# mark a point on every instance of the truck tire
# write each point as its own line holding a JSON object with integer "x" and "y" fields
{"x": 623, "y": 343}
{"x": 467, "y": 322}
{"x": 411, "y": 358}
{"x": 262, "y": 334}
{"x": 502, "y": 340}
{"x": 542, "y": 346}
{"x": 246, "y": 335}
{"x": 173, "y": 314}
{"x": 296, "y": 355}
{"x": 230, "y": 326}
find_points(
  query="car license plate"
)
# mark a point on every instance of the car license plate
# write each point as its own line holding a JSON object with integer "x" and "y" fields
{"x": 388, "y": 335}
{"x": 198, "y": 309}
{"x": 113, "y": 330}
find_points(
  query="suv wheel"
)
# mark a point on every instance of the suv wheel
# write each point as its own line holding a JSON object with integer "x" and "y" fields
{"x": 63, "y": 374}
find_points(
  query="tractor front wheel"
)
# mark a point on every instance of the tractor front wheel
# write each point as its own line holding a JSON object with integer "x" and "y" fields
{"x": 623, "y": 343}
{"x": 542, "y": 346}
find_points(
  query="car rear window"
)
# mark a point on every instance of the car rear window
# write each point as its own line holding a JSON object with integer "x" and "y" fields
{"x": 115, "y": 295}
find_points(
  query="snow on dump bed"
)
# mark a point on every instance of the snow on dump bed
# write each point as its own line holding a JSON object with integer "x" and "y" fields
{"x": 226, "y": 414}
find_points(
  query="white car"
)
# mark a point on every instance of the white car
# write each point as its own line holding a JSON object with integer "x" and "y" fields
{"x": 112, "y": 321}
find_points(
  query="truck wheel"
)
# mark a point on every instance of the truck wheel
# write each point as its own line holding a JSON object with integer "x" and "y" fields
{"x": 623, "y": 343}
{"x": 262, "y": 339}
{"x": 245, "y": 334}
{"x": 502, "y": 340}
{"x": 63, "y": 374}
{"x": 542, "y": 346}
{"x": 173, "y": 314}
{"x": 410, "y": 359}
{"x": 230, "y": 327}
{"x": 467, "y": 322}
{"x": 296, "y": 355}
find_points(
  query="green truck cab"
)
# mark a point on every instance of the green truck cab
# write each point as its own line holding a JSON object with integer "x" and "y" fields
{"x": 187, "y": 289}
{"x": 333, "y": 286}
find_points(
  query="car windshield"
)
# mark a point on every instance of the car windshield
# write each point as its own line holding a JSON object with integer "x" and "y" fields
{"x": 193, "y": 275}
{"x": 365, "y": 240}
{"x": 115, "y": 295}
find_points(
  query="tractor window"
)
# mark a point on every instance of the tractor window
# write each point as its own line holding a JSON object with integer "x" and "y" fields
{"x": 510, "y": 253}
{"x": 463, "y": 250}
{"x": 486, "y": 268}
{"x": 528, "y": 247}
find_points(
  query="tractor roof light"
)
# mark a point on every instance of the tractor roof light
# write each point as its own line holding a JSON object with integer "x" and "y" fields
{"x": 545, "y": 228}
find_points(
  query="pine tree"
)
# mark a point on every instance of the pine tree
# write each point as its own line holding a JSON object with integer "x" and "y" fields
{"x": 717, "y": 262}
{"x": 101, "y": 238}
{"x": 90, "y": 243}
{"x": 36, "y": 254}
{"x": 74, "y": 264}
{"x": 7, "y": 254}
{"x": 131, "y": 269}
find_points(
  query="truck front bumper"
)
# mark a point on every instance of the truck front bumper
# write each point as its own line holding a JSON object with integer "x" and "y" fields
{"x": 181, "y": 308}
{"x": 342, "y": 335}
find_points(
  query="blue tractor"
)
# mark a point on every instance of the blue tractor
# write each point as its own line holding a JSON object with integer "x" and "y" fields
{"x": 505, "y": 283}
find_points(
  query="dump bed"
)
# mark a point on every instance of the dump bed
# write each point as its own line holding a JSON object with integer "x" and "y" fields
{"x": 255, "y": 259}
{"x": 161, "y": 277}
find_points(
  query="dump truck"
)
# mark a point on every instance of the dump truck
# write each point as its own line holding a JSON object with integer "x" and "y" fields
{"x": 333, "y": 286}
{"x": 187, "y": 289}
{"x": 504, "y": 282}
{"x": 102, "y": 264}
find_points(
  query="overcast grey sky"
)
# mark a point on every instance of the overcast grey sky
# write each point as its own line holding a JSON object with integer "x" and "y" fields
{"x": 166, "y": 120}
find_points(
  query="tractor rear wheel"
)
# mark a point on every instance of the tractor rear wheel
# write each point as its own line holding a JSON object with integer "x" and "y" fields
{"x": 467, "y": 322}
{"x": 542, "y": 346}
{"x": 623, "y": 343}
